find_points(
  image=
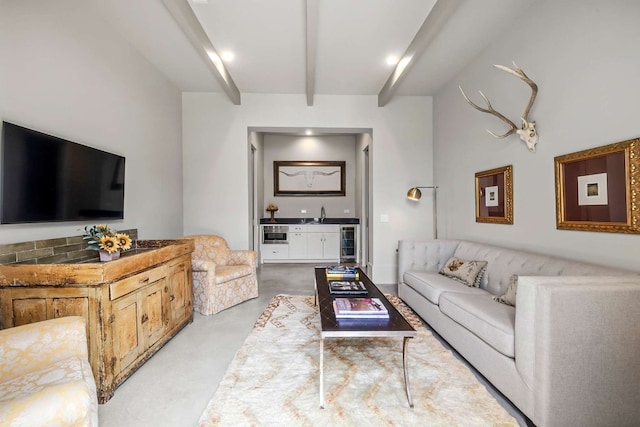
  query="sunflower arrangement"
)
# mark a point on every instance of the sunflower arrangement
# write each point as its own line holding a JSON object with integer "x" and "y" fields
{"x": 102, "y": 237}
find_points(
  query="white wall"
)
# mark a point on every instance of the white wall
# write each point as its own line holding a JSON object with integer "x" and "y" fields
{"x": 584, "y": 57}
{"x": 65, "y": 72}
{"x": 256, "y": 142}
{"x": 280, "y": 147}
{"x": 215, "y": 150}
{"x": 363, "y": 203}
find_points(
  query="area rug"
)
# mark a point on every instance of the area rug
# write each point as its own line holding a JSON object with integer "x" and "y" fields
{"x": 274, "y": 378}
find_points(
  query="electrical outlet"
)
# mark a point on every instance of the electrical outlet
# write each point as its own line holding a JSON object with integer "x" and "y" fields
{"x": 347, "y": 211}
{"x": 303, "y": 211}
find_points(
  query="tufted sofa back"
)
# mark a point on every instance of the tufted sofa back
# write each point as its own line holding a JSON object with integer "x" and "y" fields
{"x": 502, "y": 263}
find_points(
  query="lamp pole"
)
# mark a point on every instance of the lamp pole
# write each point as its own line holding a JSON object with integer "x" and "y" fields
{"x": 435, "y": 207}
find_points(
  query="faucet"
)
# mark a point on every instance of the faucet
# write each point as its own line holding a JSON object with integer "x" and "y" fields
{"x": 323, "y": 215}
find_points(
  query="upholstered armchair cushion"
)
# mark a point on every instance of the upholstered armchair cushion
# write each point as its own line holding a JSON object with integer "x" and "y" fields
{"x": 222, "y": 277}
{"x": 45, "y": 376}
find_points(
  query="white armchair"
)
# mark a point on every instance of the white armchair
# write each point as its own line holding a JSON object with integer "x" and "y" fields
{"x": 222, "y": 277}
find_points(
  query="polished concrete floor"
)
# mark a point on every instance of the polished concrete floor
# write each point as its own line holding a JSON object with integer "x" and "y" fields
{"x": 174, "y": 386}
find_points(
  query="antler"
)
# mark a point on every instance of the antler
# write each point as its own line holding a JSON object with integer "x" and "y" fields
{"x": 491, "y": 110}
{"x": 528, "y": 131}
{"x": 518, "y": 72}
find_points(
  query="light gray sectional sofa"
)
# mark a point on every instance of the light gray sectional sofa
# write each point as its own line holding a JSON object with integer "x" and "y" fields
{"x": 567, "y": 354}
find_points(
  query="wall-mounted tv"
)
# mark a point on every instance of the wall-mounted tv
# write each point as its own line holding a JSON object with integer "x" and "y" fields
{"x": 46, "y": 179}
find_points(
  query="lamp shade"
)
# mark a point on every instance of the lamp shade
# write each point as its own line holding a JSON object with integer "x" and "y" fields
{"x": 414, "y": 194}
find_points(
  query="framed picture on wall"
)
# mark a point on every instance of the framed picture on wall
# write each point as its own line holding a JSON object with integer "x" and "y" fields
{"x": 599, "y": 189}
{"x": 309, "y": 178}
{"x": 494, "y": 195}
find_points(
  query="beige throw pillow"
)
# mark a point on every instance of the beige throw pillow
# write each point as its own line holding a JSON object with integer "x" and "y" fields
{"x": 467, "y": 272}
{"x": 509, "y": 296}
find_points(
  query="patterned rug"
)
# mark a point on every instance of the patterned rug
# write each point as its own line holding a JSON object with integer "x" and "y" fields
{"x": 273, "y": 379}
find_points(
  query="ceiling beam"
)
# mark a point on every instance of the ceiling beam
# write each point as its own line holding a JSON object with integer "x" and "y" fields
{"x": 438, "y": 16}
{"x": 311, "y": 48}
{"x": 188, "y": 22}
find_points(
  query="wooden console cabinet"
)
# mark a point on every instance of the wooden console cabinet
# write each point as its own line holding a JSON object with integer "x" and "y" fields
{"x": 132, "y": 306}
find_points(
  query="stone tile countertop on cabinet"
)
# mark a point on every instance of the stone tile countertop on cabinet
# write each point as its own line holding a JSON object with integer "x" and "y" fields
{"x": 132, "y": 305}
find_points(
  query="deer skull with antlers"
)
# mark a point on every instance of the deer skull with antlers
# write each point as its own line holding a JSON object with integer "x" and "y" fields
{"x": 528, "y": 130}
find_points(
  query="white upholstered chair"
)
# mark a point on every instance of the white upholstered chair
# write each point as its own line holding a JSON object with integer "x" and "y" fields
{"x": 222, "y": 277}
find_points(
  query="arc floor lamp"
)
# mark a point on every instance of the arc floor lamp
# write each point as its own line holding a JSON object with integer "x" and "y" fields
{"x": 415, "y": 194}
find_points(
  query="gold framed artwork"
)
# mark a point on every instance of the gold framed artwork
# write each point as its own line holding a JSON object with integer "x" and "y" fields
{"x": 309, "y": 178}
{"x": 599, "y": 189}
{"x": 494, "y": 195}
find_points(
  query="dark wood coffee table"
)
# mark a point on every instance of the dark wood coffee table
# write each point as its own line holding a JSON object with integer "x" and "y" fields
{"x": 394, "y": 326}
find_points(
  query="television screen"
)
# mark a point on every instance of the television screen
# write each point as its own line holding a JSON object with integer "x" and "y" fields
{"x": 45, "y": 179}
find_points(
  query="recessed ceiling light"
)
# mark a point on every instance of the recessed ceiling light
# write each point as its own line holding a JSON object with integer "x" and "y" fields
{"x": 309, "y": 132}
{"x": 227, "y": 56}
{"x": 392, "y": 60}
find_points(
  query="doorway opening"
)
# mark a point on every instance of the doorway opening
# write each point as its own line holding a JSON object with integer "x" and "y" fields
{"x": 269, "y": 144}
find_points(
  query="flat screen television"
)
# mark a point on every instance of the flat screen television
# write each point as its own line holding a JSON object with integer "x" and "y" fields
{"x": 47, "y": 179}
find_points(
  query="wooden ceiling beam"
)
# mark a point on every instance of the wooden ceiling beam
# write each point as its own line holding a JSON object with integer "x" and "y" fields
{"x": 432, "y": 25}
{"x": 311, "y": 49}
{"x": 188, "y": 22}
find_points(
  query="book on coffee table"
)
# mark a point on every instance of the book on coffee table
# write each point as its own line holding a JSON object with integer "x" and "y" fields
{"x": 342, "y": 287}
{"x": 342, "y": 272}
{"x": 359, "y": 308}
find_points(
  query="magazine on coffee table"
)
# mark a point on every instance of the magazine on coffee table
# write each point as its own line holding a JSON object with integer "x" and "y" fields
{"x": 359, "y": 308}
{"x": 341, "y": 287}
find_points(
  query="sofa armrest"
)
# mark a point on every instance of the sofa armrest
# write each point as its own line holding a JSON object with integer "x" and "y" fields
{"x": 30, "y": 347}
{"x": 429, "y": 255}
{"x": 203, "y": 265}
{"x": 577, "y": 346}
{"x": 243, "y": 257}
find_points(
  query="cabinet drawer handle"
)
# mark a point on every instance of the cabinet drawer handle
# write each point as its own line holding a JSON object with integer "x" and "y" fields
{"x": 145, "y": 317}
{"x": 145, "y": 280}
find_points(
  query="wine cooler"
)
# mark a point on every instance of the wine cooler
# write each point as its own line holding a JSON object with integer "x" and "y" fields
{"x": 348, "y": 242}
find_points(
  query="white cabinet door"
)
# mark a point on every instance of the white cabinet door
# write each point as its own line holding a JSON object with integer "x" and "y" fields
{"x": 331, "y": 246}
{"x": 315, "y": 245}
{"x": 323, "y": 246}
{"x": 297, "y": 245}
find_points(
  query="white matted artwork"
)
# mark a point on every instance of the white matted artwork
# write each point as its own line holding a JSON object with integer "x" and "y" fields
{"x": 491, "y": 196}
{"x": 309, "y": 178}
{"x": 494, "y": 195}
{"x": 592, "y": 190}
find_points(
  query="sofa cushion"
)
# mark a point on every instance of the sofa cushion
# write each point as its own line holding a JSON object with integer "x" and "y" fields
{"x": 431, "y": 285}
{"x": 58, "y": 394}
{"x": 493, "y": 323}
{"x": 466, "y": 272}
{"x": 509, "y": 297}
{"x": 225, "y": 273}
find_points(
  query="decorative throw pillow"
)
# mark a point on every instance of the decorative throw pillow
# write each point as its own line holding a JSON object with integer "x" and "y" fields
{"x": 467, "y": 272}
{"x": 509, "y": 296}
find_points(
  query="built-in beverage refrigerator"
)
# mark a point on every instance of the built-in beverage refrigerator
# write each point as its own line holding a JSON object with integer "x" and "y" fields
{"x": 348, "y": 242}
